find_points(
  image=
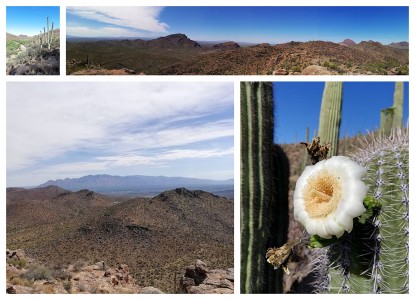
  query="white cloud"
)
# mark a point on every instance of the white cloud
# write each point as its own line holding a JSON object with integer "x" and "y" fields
{"x": 106, "y": 31}
{"x": 136, "y": 17}
{"x": 132, "y": 159}
{"x": 51, "y": 120}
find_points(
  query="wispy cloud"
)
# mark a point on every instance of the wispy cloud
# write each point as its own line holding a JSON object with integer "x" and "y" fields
{"x": 134, "y": 17}
{"x": 106, "y": 31}
{"x": 89, "y": 127}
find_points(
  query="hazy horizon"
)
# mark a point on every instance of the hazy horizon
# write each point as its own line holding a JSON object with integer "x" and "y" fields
{"x": 212, "y": 41}
{"x": 273, "y": 25}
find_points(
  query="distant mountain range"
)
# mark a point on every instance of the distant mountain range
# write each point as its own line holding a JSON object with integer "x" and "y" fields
{"x": 139, "y": 185}
{"x": 398, "y": 45}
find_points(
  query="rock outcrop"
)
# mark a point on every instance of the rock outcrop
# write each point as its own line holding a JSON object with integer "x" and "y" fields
{"x": 198, "y": 279}
{"x": 76, "y": 279}
{"x": 315, "y": 70}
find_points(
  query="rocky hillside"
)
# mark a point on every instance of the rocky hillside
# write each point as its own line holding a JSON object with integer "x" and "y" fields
{"x": 294, "y": 57}
{"x": 25, "y": 275}
{"x": 156, "y": 237}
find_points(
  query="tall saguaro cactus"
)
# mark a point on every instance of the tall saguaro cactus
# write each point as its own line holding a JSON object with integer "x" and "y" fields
{"x": 330, "y": 115}
{"x": 262, "y": 191}
{"x": 392, "y": 117}
{"x": 46, "y": 38}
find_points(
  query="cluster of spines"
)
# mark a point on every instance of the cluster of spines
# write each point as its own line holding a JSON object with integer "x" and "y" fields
{"x": 386, "y": 159}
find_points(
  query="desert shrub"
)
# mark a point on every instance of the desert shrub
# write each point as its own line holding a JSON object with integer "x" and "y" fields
{"x": 38, "y": 273}
{"x": 19, "y": 280}
{"x": 18, "y": 263}
{"x": 79, "y": 264}
{"x": 21, "y": 57}
{"x": 296, "y": 69}
{"x": 11, "y": 47}
{"x": 403, "y": 70}
{"x": 331, "y": 65}
{"x": 61, "y": 274}
{"x": 67, "y": 285}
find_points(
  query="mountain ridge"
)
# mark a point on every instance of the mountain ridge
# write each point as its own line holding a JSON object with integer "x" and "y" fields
{"x": 137, "y": 183}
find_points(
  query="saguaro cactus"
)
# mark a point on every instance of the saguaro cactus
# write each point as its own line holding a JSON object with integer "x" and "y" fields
{"x": 46, "y": 38}
{"x": 263, "y": 197}
{"x": 330, "y": 115}
{"x": 373, "y": 258}
{"x": 392, "y": 117}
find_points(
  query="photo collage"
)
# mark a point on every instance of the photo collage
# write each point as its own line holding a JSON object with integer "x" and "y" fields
{"x": 173, "y": 147}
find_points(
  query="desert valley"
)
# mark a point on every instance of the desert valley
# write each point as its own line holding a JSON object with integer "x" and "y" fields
{"x": 177, "y": 54}
{"x": 156, "y": 238}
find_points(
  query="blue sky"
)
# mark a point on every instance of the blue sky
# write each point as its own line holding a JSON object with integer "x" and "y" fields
{"x": 297, "y": 106}
{"x": 244, "y": 24}
{"x": 123, "y": 128}
{"x": 30, "y": 20}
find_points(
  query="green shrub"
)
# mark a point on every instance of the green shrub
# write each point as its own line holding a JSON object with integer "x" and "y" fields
{"x": 19, "y": 263}
{"x": 38, "y": 273}
{"x": 296, "y": 69}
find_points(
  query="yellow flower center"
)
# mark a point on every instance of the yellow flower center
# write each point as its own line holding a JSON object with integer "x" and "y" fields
{"x": 321, "y": 194}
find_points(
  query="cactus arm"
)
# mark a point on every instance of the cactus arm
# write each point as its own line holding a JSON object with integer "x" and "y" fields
{"x": 330, "y": 115}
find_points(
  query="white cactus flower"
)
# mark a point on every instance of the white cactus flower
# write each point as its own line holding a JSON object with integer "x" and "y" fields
{"x": 329, "y": 195}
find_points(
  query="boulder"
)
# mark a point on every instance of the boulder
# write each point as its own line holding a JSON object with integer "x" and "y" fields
{"x": 150, "y": 290}
{"x": 198, "y": 279}
{"x": 315, "y": 70}
{"x": 280, "y": 72}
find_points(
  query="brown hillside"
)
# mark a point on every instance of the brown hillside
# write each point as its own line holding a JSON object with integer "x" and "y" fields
{"x": 294, "y": 57}
{"x": 155, "y": 237}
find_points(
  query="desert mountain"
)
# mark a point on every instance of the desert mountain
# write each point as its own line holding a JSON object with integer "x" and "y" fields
{"x": 226, "y": 46}
{"x": 137, "y": 184}
{"x": 348, "y": 42}
{"x": 400, "y": 45}
{"x": 10, "y": 36}
{"x": 154, "y": 236}
{"x": 365, "y": 57}
{"x": 172, "y": 41}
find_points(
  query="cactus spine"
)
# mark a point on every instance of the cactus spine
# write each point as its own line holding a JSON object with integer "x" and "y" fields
{"x": 387, "y": 161}
{"x": 330, "y": 115}
{"x": 259, "y": 187}
{"x": 373, "y": 258}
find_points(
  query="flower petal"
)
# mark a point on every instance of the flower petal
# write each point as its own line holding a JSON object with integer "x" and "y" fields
{"x": 336, "y": 184}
